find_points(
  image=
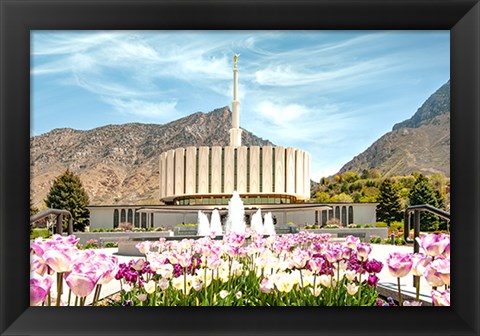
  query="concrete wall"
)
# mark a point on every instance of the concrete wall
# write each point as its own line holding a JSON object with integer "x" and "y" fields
{"x": 363, "y": 213}
{"x": 248, "y": 170}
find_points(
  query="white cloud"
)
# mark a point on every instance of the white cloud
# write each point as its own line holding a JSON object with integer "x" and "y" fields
{"x": 161, "y": 111}
{"x": 281, "y": 114}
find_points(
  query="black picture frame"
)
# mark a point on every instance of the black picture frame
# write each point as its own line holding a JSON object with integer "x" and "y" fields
{"x": 19, "y": 17}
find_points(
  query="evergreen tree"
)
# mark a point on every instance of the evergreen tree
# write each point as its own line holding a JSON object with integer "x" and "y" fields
{"x": 424, "y": 193}
{"x": 68, "y": 193}
{"x": 389, "y": 207}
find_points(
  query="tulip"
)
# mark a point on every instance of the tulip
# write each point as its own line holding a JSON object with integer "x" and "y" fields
{"x": 412, "y": 303}
{"x": 316, "y": 291}
{"x": 81, "y": 282}
{"x": 39, "y": 289}
{"x": 399, "y": 264}
{"x": 434, "y": 244}
{"x": 350, "y": 275}
{"x": 441, "y": 299}
{"x": 373, "y": 280}
{"x": 59, "y": 258}
{"x": 373, "y": 266}
{"x": 223, "y": 294}
{"x": 163, "y": 284}
{"x": 442, "y": 266}
{"x": 149, "y": 286}
{"x": 266, "y": 285}
{"x": 433, "y": 277}
{"x": 144, "y": 246}
{"x": 420, "y": 263}
{"x": 363, "y": 250}
{"x": 352, "y": 241}
{"x": 352, "y": 289}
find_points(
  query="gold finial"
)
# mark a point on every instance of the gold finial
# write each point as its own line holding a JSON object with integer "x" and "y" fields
{"x": 235, "y": 57}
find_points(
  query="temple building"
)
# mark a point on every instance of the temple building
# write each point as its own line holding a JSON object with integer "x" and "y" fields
{"x": 273, "y": 178}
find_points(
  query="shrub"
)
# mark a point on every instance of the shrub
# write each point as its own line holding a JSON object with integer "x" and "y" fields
{"x": 111, "y": 245}
{"x": 333, "y": 221}
{"x": 125, "y": 226}
{"x": 331, "y": 226}
{"x": 375, "y": 240}
{"x": 368, "y": 226}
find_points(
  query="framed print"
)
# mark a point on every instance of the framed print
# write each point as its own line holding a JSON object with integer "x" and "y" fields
{"x": 23, "y": 21}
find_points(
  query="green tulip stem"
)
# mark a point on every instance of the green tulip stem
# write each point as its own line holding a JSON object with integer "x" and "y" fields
{"x": 417, "y": 282}
{"x": 69, "y": 296}
{"x": 400, "y": 301}
{"x": 59, "y": 287}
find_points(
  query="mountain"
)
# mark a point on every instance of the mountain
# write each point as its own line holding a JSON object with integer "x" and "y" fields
{"x": 421, "y": 143}
{"x": 118, "y": 164}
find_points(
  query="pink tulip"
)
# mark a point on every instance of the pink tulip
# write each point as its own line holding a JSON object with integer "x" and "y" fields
{"x": 59, "y": 258}
{"x": 399, "y": 264}
{"x": 420, "y": 263}
{"x": 433, "y": 277}
{"x": 434, "y": 244}
{"x": 441, "y": 299}
{"x": 363, "y": 251}
{"x": 144, "y": 246}
{"x": 442, "y": 266}
{"x": 266, "y": 285}
{"x": 82, "y": 280}
{"x": 39, "y": 289}
{"x": 300, "y": 258}
{"x": 352, "y": 241}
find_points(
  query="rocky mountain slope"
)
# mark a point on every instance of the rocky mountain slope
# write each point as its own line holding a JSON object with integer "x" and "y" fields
{"x": 118, "y": 164}
{"x": 421, "y": 143}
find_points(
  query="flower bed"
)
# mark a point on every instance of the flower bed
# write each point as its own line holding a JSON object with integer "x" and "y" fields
{"x": 244, "y": 270}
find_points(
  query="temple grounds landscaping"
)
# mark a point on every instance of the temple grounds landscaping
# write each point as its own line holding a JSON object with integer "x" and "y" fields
{"x": 303, "y": 269}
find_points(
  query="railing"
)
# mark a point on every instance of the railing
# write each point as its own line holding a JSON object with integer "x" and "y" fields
{"x": 416, "y": 210}
{"x": 59, "y": 219}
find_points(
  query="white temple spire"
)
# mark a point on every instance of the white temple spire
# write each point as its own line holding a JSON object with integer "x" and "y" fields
{"x": 235, "y": 131}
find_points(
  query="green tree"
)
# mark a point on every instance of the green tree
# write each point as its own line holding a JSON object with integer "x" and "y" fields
{"x": 350, "y": 177}
{"x": 68, "y": 193}
{"x": 389, "y": 208}
{"x": 322, "y": 197}
{"x": 341, "y": 198}
{"x": 423, "y": 192}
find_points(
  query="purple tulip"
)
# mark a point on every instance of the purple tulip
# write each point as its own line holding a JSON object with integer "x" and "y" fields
{"x": 434, "y": 244}
{"x": 442, "y": 266}
{"x": 433, "y": 277}
{"x": 373, "y": 266}
{"x": 352, "y": 241}
{"x": 59, "y": 258}
{"x": 441, "y": 299}
{"x": 399, "y": 264}
{"x": 420, "y": 263}
{"x": 82, "y": 280}
{"x": 39, "y": 288}
{"x": 363, "y": 250}
{"x": 373, "y": 280}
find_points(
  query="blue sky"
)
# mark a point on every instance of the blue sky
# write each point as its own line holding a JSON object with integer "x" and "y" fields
{"x": 331, "y": 93}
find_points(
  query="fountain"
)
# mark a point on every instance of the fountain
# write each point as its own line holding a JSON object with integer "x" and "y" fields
{"x": 236, "y": 215}
{"x": 257, "y": 224}
{"x": 268, "y": 227}
{"x": 215, "y": 223}
{"x": 203, "y": 228}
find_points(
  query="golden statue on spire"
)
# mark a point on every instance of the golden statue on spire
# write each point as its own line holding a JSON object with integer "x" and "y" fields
{"x": 235, "y": 57}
